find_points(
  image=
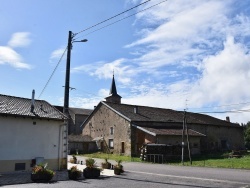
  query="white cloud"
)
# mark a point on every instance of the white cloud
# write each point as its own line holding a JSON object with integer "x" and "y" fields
{"x": 11, "y": 57}
{"x": 225, "y": 77}
{"x": 185, "y": 56}
{"x": 104, "y": 70}
{"x": 20, "y": 39}
{"x": 57, "y": 54}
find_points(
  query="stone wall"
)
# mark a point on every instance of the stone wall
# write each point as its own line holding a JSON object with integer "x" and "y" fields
{"x": 100, "y": 125}
{"x": 219, "y": 138}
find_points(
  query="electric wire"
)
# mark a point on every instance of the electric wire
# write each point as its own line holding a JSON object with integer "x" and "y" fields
{"x": 122, "y": 19}
{"x": 98, "y": 30}
{"x": 222, "y": 112}
{"x": 111, "y": 17}
{"x": 53, "y": 73}
{"x": 222, "y": 105}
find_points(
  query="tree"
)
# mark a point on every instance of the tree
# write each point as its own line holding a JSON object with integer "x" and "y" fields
{"x": 247, "y": 135}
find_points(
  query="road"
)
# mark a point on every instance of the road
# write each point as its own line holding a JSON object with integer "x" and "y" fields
{"x": 138, "y": 175}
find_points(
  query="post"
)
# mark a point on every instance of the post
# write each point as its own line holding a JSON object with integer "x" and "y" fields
{"x": 67, "y": 78}
{"x": 189, "y": 152}
{"x": 182, "y": 143}
{"x": 66, "y": 101}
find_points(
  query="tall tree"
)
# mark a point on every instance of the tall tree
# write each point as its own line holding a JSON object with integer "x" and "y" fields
{"x": 247, "y": 134}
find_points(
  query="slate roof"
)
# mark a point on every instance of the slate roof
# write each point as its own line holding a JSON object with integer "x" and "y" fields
{"x": 152, "y": 114}
{"x": 73, "y": 110}
{"x": 79, "y": 138}
{"x": 17, "y": 106}
{"x": 172, "y": 132}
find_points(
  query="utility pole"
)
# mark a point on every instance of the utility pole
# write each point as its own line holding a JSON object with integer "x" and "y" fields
{"x": 67, "y": 77}
{"x": 189, "y": 151}
{"x": 66, "y": 97}
{"x": 182, "y": 143}
{"x": 66, "y": 103}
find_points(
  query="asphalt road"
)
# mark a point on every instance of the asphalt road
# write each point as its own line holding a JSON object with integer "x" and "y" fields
{"x": 140, "y": 175}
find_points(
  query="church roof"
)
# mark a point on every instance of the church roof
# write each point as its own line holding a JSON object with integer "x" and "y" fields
{"x": 153, "y": 114}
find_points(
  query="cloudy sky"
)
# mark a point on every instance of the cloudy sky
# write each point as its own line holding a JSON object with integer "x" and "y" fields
{"x": 176, "y": 54}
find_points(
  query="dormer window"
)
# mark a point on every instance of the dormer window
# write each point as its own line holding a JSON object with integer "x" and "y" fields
{"x": 111, "y": 130}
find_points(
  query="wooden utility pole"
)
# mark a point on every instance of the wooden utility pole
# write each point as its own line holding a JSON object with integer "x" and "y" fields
{"x": 189, "y": 152}
{"x": 182, "y": 142}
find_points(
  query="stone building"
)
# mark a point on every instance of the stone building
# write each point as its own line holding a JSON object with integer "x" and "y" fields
{"x": 76, "y": 142}
{"x": 76, "y": 117}
{"x": 124, "y": 128}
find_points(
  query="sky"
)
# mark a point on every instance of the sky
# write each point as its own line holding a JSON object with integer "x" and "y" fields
{"x": 182, "y": 55}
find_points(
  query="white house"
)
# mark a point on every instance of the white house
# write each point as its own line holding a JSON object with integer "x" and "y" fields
{"x": 31, "y": 132}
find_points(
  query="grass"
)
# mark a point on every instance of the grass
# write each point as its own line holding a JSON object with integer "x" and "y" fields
{"x": 113, "y": 157}
{"x": 220, "y": 160}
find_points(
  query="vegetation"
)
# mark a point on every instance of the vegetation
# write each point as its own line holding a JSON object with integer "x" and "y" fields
{"x": 247, "y": 134}
{"x": 41, "y": 173}
{"x": 113, "y": 157}
{"x": 42, "y": 169}
{"x": 118, "y": 168}
{"x": 220, "y": 160}
{"x": 106, "y": 164}
{"x": 74, "y": 173}
{"x": 90, "y": 163}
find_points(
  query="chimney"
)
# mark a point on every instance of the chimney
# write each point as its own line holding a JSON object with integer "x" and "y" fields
{"x": 136, "y": 111}
{"x": 228, "y": 119}
{"x": 32, "y": 101}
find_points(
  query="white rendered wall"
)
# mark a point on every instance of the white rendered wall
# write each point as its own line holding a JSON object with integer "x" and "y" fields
{"x": 21, "y": 140}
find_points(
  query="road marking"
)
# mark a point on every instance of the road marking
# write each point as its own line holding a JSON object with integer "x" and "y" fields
{"x": 189, "y": 177}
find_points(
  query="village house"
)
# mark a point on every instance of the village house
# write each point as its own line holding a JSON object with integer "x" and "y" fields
{"x": 77, "y": 143}
{"x": 124, "y": 128}
{"x": 31, "y": 132}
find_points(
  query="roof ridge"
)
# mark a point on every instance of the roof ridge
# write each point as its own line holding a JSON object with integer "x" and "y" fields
{"x": 134, "y": 105}
{"x": 20, "y": 97}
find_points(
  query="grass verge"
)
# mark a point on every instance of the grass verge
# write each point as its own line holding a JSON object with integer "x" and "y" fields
{"x": 221, "y": 160}
{"x": 113, "y": 157}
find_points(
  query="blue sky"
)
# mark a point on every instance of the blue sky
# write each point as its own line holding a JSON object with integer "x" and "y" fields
{"x": 179, "y": 54}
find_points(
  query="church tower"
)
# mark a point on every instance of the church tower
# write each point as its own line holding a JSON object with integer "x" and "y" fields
{"x": 113, "y": 96}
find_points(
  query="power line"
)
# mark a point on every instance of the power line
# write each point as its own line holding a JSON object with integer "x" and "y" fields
{"x": 222, "y": 112}
{"x": 53, "y": 73}
{"x": 112, "y": 17}
{"x": 123, "y": 18}
{"x": 97, "y": 30}
{"x": 222, "y": 105}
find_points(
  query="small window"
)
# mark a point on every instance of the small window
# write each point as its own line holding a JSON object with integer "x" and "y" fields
{"x": 111, "y": 143}
{"x": 19, "y": 166}
{"x": 111, "y": 130}
{"x": 195, "y": 145}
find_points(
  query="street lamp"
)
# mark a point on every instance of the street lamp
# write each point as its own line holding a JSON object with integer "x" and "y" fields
{"x": 66, "y": 89}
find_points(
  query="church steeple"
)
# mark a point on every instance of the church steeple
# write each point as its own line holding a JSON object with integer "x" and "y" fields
{"x": 113, "y": 87}
{"x": 113, "y": 96}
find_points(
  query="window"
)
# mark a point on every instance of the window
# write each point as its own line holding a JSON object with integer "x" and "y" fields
{"x": 195, "y": 145}
{"x": 19, "y": 166}
{"x": 111, "y": 130}
{"x": 111, "y": 143}
{"x": 122, "y": 147}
